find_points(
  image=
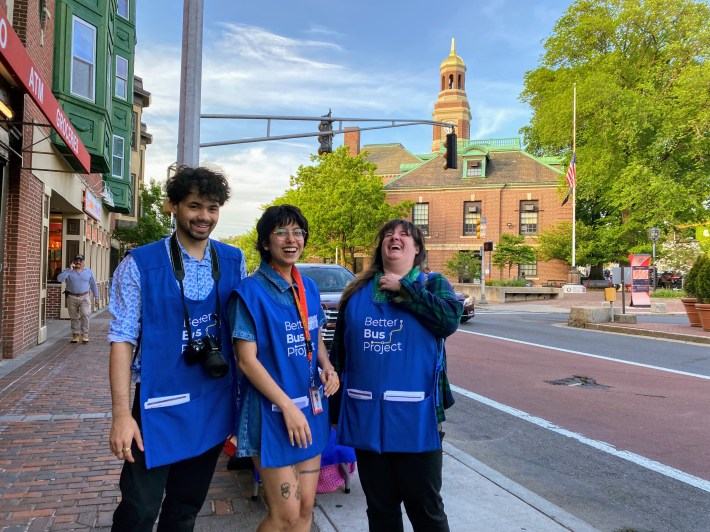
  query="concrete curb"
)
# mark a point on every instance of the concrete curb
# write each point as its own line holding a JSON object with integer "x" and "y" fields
{"x": 664, "y": 335}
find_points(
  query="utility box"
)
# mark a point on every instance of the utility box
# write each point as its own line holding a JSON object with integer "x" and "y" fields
{"x": 610, "y": 294}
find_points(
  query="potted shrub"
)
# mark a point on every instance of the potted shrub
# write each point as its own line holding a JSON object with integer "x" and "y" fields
{"x": 702, "y": 292}
{"x": 690, "y": 298}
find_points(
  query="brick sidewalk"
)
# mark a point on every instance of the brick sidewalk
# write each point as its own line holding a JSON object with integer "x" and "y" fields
{"x": 56, "y": 469}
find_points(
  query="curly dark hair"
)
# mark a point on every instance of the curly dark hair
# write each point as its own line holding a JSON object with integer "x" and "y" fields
{"x": 277, "y": 216}
{"x": 206, "y": 182}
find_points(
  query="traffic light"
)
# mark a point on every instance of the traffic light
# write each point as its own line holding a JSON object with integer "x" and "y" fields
{"x": 450, "y": 158}
{"x": 326, "y": 140}
{"x": 488, "y": 246}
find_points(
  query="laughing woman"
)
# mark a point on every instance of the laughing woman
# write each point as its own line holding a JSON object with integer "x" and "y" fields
{"x": 283, "y": 415}
{"x": 388, "y": 345}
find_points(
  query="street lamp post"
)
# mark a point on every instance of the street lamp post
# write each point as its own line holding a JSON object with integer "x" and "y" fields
{"x": 654, "y": 233}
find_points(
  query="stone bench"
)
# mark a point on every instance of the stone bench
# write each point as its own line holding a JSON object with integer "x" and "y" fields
{"x": 579, "y": 316}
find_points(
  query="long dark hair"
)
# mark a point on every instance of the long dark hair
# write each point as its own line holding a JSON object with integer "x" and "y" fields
{"x": 277, "y": 216}
{"x": 377, "y": 265}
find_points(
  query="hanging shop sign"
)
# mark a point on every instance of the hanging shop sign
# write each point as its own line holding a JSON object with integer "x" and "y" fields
{"x": 15, "y": 58}
{"x": 92, "y": 205}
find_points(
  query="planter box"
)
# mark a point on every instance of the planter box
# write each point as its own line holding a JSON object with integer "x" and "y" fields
{"x": 508, "y": 294}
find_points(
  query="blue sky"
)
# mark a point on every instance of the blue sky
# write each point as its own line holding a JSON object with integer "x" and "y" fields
{"x": 371, "y": 59}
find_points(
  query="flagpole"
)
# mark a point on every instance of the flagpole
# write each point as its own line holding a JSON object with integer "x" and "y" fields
{"x": 574, "y": 188}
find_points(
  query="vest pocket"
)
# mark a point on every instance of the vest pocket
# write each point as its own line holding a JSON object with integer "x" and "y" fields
{"x": 360, "y": 422}
{"x": 409, "y": 426}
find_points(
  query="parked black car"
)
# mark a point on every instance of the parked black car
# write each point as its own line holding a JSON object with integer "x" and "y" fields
{"x": 331, "y": 280}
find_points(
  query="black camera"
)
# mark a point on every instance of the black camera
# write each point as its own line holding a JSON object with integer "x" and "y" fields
{"x": 207, "y": 352}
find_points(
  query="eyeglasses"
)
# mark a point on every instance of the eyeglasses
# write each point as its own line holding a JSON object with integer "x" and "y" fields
{"x": 282, "y": 233}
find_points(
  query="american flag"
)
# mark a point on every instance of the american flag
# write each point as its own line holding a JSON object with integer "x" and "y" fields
{"x": 572, "y": 172}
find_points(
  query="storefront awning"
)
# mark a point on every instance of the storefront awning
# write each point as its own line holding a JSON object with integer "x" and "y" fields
{"x": 15, "y": 58}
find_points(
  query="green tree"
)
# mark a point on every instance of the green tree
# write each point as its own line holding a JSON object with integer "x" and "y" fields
{"x": 642, "y": 70}
{"x": 512, "y": 250}
{"x": 464, "y": 265}
{"x": 344, "y": 202}
{"x": 247, "y": 243}
{"x": 153, "y": 224}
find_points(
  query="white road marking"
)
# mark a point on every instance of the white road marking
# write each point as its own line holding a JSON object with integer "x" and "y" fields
{"x": 637, "y": 459}
{"x": 582, "y": 353}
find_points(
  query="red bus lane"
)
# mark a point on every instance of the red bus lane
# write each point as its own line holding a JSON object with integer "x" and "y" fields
{"x": 657, "y": 414}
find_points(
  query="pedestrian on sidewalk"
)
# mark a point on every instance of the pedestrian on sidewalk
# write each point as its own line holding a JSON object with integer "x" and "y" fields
{"x": 169, "y": 333}
{"x": 80, "y": 284}
{"x": 389, "y": 347}
{"x": 283, "y": 418}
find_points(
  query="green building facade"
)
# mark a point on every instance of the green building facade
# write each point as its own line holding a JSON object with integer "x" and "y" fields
{"x": 94, "y": 56}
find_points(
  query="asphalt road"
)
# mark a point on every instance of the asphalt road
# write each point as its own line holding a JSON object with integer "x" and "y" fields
{"x": 629, "y": 453}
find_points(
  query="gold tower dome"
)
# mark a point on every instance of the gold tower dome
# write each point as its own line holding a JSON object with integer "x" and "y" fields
{"x": 452, "y": 60}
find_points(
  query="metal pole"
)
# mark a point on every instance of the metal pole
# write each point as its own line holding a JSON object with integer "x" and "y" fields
{"x": 483, "y": 277}
{"x": 655, "y": 270}
{"x": 188, "y": 148}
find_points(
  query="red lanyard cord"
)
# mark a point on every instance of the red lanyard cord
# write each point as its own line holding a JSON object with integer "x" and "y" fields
{"x": 302, "y": 307}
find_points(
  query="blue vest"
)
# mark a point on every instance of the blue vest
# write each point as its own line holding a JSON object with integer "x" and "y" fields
{"x": 389, "y": 383}
{"x": 281, "y": 350}
{"x": 184, "y": 411}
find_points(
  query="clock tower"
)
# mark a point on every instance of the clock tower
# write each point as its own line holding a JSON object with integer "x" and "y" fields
{"x": 452, "y": 103}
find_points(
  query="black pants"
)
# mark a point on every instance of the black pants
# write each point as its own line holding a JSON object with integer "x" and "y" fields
{"x": 390, "y": 479}
{"x": 184, "y": 483}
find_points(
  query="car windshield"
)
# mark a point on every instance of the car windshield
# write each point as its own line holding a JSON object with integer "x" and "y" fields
{"x": 328, "y": 279}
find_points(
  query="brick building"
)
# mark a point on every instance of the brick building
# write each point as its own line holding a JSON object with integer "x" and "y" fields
{"x": 66, "y": 98}
{"x": 498, "y": 187}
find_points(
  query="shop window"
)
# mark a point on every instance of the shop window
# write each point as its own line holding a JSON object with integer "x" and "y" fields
{"x": 121, "y": 77}
{"x": 117, "y": 166}
{"x": 83, "y": 59}
{"x": 472, "y": 218}
{"x": 528, "y": 217}
{"x": 54, "y": 247}
{"x": 420, "y": 217}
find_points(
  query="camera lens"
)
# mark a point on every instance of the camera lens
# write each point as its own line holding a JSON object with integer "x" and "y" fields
{"x": 215, "y": 364}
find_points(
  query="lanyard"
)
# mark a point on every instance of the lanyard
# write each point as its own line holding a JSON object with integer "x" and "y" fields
{"x": 302, "y": 307}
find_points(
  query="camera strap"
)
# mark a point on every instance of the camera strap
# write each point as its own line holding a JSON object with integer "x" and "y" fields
{"x": 179, "y": 272}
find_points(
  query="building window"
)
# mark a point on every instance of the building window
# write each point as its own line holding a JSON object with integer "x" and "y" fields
{"x": 528, "y": 217}
{"x": 122, "y": 8}
{"x": 527, "y": 270}
{"x": 117, "y": 166}
{"x": 472, "y": 218}
{"x": 121, "y": 77}
{"x": 474, "y": 168}
{"x": 420, "y": 217}
{"x": 83, "y": 59}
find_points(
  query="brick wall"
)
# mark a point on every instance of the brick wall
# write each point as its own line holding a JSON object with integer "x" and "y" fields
{"x": 23, "y": 233}
{"x": 500, "y": 206}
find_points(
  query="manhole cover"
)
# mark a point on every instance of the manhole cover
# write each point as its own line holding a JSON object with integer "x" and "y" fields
{"x": 578, "y": 380}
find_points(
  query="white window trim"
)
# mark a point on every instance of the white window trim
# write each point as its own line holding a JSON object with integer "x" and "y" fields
{"x": 121, "y": 96}
{"x": 73, "y": 57}
{"x": 114, "y": 156}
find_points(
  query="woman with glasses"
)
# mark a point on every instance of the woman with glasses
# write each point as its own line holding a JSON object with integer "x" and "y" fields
{"x": 283, "y": 414}
{"x": 388, "y": 345}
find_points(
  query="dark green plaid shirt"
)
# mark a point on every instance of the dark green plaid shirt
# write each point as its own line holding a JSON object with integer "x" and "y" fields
{"x": 432, "y": 302}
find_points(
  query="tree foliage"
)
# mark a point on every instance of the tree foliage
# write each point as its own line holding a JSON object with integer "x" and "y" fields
{"x": 247, "y": 243}
{"x": 512, "y": 250}
{"x": 642, "y": 70}
{"x": 344, "y": 202}
{"x": 153, "y": 224}
{"x": 464, "y": 266}
{"x": 677, "y": 256}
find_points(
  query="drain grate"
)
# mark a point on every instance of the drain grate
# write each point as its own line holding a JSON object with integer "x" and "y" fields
{"x": 579, "y": 380}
